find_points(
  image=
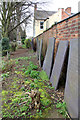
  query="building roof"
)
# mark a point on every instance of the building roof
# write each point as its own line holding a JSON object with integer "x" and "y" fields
{"x": 43, "y": 15}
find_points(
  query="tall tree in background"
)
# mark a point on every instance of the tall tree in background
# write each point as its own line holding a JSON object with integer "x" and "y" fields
{"x": 13, "y": 14}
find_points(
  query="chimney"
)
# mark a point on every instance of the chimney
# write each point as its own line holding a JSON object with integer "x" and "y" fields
{"x": 68, "y": 10}
{"x": 35, "y": 7}
{"x": 62, "y": 9}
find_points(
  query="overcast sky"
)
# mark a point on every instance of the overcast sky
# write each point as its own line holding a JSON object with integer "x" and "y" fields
{"x": 53, "y": 5}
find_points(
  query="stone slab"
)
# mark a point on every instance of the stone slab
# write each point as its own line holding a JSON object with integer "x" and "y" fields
{"x": 58, "y": 63}
{"x": 33, "y": 45}
{"x": 40, "y": 53}
{"x": 38, "y": 48}
{"x": 48, "y": 61}
{"x": 71, "y": 88}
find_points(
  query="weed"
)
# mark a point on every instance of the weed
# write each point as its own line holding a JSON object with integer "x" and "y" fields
{"x": 62, "y": 108}
{"x": 23, "y": 108}
{"x": 23, "y": 69}
{"x": 7, "y": 66}
{"x": 34, "y": 67}
{"x": 32, "y": 85}
{"x": 22, "y": 88}
{"x": 34, "y": 74}
{"x": 16, "y": 62}
{"x": 22, "y": 58}
{"x": 36, "y": 81}
{"x": 43, "y": 75}
{"x": 27, "y": 72}
{"x": 5, "y": 75}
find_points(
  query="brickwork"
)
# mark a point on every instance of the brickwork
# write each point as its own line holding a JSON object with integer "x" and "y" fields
{"x": 65, "y": 30}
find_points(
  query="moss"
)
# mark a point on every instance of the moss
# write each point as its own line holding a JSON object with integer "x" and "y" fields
{"x": 43, "y": 75}
{"x": 45, "y": 101}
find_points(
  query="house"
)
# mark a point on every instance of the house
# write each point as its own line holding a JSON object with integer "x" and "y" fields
{"x": 45, "y": 19}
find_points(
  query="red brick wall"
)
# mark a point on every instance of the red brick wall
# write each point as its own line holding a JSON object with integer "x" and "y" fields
{"x": 65, "y": 30}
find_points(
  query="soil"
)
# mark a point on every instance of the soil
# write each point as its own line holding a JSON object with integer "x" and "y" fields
{"x": 59, "y": 94}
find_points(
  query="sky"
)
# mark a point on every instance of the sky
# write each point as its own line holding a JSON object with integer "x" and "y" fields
{"x": 53, "y": 5}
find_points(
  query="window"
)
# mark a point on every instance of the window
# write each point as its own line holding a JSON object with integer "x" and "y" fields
{"x": 41, "y": 25}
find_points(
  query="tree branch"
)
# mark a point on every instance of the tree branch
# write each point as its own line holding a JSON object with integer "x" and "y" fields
{"x": 19, "y": 24}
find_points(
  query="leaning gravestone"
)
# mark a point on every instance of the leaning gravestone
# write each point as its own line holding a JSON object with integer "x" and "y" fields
{"x": 38, "y": 47}
{"x": 40, "y": 53}
{"x": 59, "y": 62}
{"x": 71, "y": 89}
{"x": 33, "y": 45}
{"x": 48, "y": 61}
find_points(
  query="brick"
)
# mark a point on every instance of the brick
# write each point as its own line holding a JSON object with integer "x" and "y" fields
{"x": 62, "y": 31}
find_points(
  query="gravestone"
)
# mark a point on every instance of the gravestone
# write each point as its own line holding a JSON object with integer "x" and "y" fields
{"x": 33, "y": 45}
{"x": 48, "y": 61}
{"x": 38, "y": 48}
{"x": 71, "y": 89}
{"x": 59, "y": 62}
{"x": 40, "y": 53}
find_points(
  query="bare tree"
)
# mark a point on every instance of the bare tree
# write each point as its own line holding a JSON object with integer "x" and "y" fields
{"x": 13, "y": 14}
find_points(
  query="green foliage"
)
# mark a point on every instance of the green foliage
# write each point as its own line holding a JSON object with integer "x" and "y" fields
{"x": 23, "y": 40}
{"x": 36, "y": 81}
{"x": 62, "y": 108}
{"x": 34, "y": 74}
{"x": 43, "y": 75}
{"x": 5, "y": 75}
{"x": 22, "y": 88}
{"x": 30, "y": 68}
{"x": 5, "y": 46}
{"x": 23, "y": 46}
{"x": 32, "y": 85}
{"x": 23, "y": 69}
{"x": 23, "y": 108}
{"x": 13, "y": 46}
{"x": 45, "y": 101}
{"x": 4, "y": 92}
{"x": 22, "y": 58}
{"x": 7, "y": 66}
{"x": 16, "y": 62}
{"x": 19, "y": 102}
{"x": 27, "y": 43}
{"x": 27, "y": 72}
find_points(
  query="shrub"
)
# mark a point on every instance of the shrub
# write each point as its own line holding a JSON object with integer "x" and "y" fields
{"x": 13, "y": 46}
{"x": 27, "y": 43}
{"x": 5, "y": 46}
{"x": 23, "y": 40}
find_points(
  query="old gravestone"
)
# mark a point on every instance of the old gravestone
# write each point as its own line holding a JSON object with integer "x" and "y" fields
{"x": 33, "y": 45}
{"x": 38, "y": 47}
{"x": 48, "y": 61}
{"x": 59, "y": 62}
{"x": 72, "y": 95}
{"x": 40, "y": 54}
